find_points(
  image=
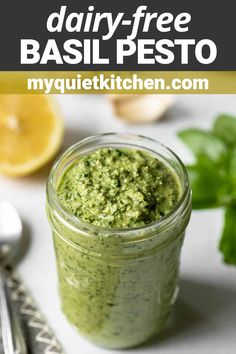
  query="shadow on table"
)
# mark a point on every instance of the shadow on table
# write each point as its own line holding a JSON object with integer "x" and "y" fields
{"x": 24, "y": 244}
{"x": 74, "y": 135}
{"x": 197, "y": 302}
{"x": 178, "y": 112}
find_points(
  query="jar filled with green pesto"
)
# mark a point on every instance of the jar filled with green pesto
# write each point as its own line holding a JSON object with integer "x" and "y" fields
{"x": 118, "y": 206}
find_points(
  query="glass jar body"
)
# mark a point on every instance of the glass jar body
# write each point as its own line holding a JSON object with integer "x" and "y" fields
{"x": 117, "y": 287}
{"x": 117, "y": 304}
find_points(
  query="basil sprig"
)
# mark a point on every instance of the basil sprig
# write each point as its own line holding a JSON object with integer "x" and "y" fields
{"x": 213, "y": 175}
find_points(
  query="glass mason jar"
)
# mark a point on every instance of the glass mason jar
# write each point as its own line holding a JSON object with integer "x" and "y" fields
{"x": 117, "y": 286}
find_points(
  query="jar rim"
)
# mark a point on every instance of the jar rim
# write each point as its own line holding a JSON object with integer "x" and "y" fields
{"x": 78, "y": 224}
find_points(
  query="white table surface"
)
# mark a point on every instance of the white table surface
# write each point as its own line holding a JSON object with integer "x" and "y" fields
{"x": 205, "y": 314}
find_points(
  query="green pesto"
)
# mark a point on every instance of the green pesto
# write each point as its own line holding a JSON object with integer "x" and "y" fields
{"x": 119, "y": 188}
{"x": 118, "y": 302}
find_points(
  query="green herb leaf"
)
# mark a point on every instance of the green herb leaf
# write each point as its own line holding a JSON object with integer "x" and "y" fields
{"x": 225, "y": 129}
{"x": 228, "y": 240}
{"x": 203, "y": 143}
{"x": 232, "y": 171}
{"x": 209, "y": 183}
{"x": 213, "y": 177}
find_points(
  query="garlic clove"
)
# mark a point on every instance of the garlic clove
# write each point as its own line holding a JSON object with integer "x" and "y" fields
{"x": 140, "y": 108}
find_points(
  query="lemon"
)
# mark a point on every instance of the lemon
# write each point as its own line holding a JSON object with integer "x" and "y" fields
{"x": 31, "y": 132}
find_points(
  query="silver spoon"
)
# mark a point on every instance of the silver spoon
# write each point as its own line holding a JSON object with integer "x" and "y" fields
{"x": 10, "y": 236}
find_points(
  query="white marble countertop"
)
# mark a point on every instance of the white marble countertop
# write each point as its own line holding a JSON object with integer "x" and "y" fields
{"x": 205, "y": 314}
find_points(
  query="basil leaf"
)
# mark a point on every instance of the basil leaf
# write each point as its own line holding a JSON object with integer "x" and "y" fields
{"x": 228, "y": 239}
{"x": 225, "y": 129}
{"x": 232, "y": 170}
{"x": 210, "y": 184}
{"x": 203, "y": 143}
{"x": 213, "y": 177}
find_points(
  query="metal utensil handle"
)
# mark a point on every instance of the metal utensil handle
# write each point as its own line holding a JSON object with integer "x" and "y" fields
{"x": 12, "y": 335}
{"x": 40, "y": 337}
